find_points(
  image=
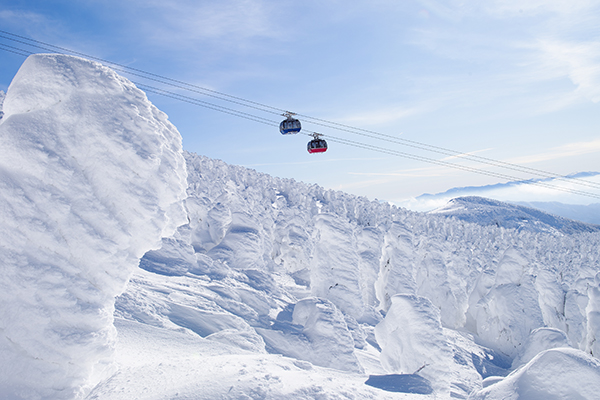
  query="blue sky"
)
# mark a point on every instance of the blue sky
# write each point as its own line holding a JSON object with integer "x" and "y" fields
{"x": 515, "y": 81}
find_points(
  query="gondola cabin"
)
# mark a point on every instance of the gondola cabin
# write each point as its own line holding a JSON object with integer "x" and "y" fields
{"x": 290, "y": 125}
{"x": 317, "y": 145}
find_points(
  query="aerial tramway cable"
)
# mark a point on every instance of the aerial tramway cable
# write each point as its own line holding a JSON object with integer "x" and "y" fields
{"x": 332, "y": 125}
{"x": 347, "y": 142}
{"x": 318, "y": 121}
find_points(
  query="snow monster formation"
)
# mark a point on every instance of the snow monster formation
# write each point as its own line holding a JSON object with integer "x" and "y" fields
{"x": 428, "y": 304}
{"x": 91, "y": 177}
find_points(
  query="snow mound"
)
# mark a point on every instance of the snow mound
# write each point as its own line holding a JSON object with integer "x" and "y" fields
{"x": 492, "y": 212}
{"x": 91, "y": 177}
{"x": 593, "y": 317}
{"x": 553, "y": 374}
{"x": 539, "y": 340}
{"x": 510, "y": 309}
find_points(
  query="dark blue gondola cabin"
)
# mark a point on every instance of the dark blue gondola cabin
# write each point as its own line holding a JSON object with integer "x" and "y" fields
{"x": 289, "y": 126}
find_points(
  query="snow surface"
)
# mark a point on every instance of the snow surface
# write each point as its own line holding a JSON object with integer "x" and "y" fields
{"x": 91, "y": 178}
{"x": 561, "y": 373}
{"x": 272, "y": 289}
{"x": 2, "y": 96}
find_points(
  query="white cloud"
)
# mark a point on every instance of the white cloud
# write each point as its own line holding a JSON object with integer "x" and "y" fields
{"x": 580, "y": 61}
{"x": 567, "y": 150}
{"x": 511, "y": 8}
{"x": 380, "y": 116}
{"x": 563, "y": 191}
{"x": 187, "y": 23}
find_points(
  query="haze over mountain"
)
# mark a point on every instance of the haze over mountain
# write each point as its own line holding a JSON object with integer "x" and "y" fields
{"x": 526, "y": 193}
{"x": 491, "y": 212}
{"x": 251, "y": 286}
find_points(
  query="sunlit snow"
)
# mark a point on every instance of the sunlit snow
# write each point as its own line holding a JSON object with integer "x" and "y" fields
{"x": 269, "y": 288}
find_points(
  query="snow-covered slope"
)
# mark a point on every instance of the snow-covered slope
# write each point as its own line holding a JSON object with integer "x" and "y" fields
{"x": 275, "y": 266}
{"x": 484, "y": 211}
{"x": 273, "y": 289}
{"x": 91, "y": 177}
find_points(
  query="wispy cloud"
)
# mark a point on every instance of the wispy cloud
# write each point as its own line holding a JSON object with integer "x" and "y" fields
{"x": 458, "y": 156}
{"x": 512, "y": 8}
{"x": 526, "y": 47}
{"x": 380, "y": 116}
{"x": 235, "y": 21}
{"x": 579, "y": 61}
{"x": 566, "y": 150}
{"x": 564, "y": 191}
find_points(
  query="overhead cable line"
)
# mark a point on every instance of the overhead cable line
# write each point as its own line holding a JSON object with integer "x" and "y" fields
{"x": 347, "y": 142}
{"x": 144, "y": 74}
{"x": 273, "y": 110}
{"x": 205, "y": 104}
{"x": 444, "y": 151}
{"x": 15, "y": 50}
{"x": 458, "y": 166}
{"x": 318, "y": 121}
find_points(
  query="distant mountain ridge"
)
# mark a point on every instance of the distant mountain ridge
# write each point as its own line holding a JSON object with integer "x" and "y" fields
{"x": 457, "y": 191}
{"x": 485, "y": 211}
{"x": 565, "y": 207}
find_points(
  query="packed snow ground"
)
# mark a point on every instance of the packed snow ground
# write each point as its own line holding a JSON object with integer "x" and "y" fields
{"x": 272, "y": 288}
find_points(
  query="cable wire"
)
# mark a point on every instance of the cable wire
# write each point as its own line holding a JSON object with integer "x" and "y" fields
{"x": 333, "y": 125}
{"x": 347, "y": 142}
{"x": 329, "y": 124}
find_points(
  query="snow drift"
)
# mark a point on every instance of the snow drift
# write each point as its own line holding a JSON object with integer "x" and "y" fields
{"x": 560, "y": 373}
{"x": 91, "y": 177}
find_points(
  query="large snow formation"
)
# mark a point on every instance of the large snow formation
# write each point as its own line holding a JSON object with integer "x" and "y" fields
{"x": 273, "y": 289}
{"x": 91, "y": 178}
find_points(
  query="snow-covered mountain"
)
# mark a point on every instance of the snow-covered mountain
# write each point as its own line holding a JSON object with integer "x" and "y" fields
{"x": 492, "y": 212}
{"x": 529, "y": 194}
{"x": 270, "y": 288}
